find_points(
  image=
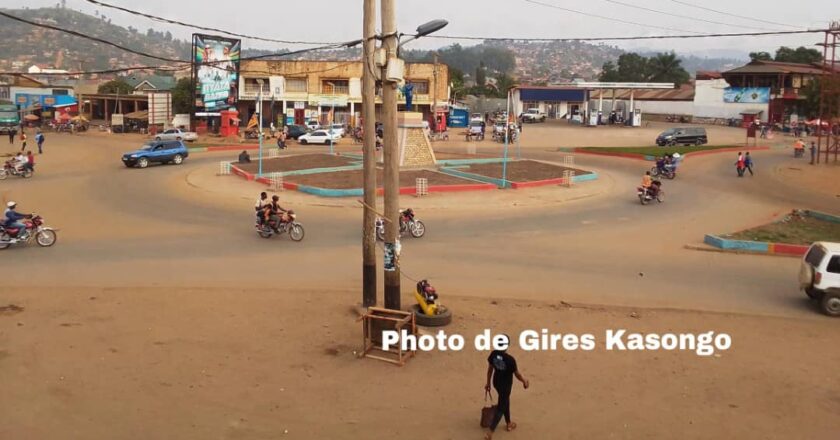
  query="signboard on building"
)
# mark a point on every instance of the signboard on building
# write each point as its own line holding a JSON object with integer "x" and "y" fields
{"x": 215, "y": 73}
{"x": 160, "y": 109}
{"x": 748, "y": 95}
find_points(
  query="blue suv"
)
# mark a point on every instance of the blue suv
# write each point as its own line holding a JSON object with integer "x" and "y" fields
{"x": 157, "y": 151}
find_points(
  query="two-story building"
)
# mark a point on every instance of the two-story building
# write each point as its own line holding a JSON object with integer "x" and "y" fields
{"x": 774, "y": 88}
{"x": 298, "y": 91}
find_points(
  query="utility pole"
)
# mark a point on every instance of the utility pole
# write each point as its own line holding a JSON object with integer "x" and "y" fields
{"x": 434, "y": 93}
{"x": 391, "y": 158}
{"x": 369, "y": 153}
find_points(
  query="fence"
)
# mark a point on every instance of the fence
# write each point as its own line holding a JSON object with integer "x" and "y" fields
{"x": 569, "y": 178}
{"x": 276, "y": 180}
{"x": 224, "y": 168}
{"x": 422, "y": 186}
{"x": 569, "y": 161}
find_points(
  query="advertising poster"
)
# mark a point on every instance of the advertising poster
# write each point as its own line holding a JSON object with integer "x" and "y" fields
{"x": 216, "y": 73}
{"x": 749, "y": 95}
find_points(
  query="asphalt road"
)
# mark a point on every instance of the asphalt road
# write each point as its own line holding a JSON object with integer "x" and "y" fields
{"x": 132, "y": 227}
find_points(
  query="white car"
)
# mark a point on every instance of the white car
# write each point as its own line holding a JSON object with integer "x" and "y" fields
{"x": 319, "y": 137}
{"x": 312, "y": 124}
{"x": 819, "y": 276}
{"x": 176, "y": 134}
{"x": 337, "y": 128}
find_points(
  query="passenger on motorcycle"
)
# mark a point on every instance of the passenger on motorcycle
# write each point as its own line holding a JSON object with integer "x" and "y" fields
{"x": 258, "y": 207}
{"x": 660, "y": 164}
{"x": 650, "y": 185}
{"x": 12, "y": 219}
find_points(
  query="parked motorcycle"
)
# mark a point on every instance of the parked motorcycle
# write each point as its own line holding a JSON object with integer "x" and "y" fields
{"x": 9, "y": 169}
{"x": 43, "y": 235}
{"x": 290, "y": 226}
{"x": 655, "y": 192}
{"x": 408, "y": 223}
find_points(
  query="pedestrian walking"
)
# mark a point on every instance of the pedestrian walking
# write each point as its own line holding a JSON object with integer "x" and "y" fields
{"x": 23, "y": 140}
{"x": 39, "y": 139}
{"x": 763, "y": 134}
{"x": 12, "y": 137}
{"x": 748, "y": 163}
{"x": 501, "y": 369}
{"x": 813, "y": 152}
{"x": 740, "y": 165}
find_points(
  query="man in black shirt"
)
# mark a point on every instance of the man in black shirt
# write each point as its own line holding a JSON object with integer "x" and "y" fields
{"x": 502, "y": 368}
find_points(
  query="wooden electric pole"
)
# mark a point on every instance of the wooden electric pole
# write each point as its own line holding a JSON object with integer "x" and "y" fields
{"x": 391, "y": 158}
{"x": 369, "y": 153}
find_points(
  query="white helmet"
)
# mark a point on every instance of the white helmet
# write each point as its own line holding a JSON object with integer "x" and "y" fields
{"x": 11, "y": 204}
{"x": 676, "y": 155}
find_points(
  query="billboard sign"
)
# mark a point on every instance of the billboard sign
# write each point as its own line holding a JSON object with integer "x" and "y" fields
{"x": 215, "y": 73}
{"x": 748, "y": 95}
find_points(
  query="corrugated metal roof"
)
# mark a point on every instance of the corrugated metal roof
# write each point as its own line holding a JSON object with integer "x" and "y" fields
{"x": 684, "y": 93}
{"x": 775, "y": 67}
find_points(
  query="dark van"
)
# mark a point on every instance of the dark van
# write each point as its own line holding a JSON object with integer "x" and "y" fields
{"x": 686, "y": 135}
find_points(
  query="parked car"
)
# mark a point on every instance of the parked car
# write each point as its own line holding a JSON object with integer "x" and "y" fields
{"x": 296, "y": 131}
{"x": 819, "y": 276}
{"x": 176, "y": 134}
{"x": 337, "y": 128}
{"x": 533, "y": 115}
{"x": 157, "y": 152}
{"x": 684, "y": 135}
{"x": 319, "y": 137}
{"x": 313, "y": 124}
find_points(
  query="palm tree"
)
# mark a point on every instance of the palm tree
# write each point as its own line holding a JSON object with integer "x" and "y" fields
{"x": 666, "y": 67}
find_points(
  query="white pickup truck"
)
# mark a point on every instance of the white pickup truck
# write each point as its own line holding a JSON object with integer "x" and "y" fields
{"x": 533, "y": 115}
{"x": 819, "y": 276}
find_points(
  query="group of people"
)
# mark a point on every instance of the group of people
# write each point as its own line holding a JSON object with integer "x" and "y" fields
{"x": 39, "y": 140}
{"x": 269, "y": 212}
{"x": 668, "y": 162}
{"x": 23, "y": 162}
{"x": 744, "y": 163}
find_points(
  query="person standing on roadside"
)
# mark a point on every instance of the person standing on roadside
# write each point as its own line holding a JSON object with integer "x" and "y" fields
{"x": 501, "y": 369}
{"x": 813, "y": 152}
{"x": 39, "y": 139}
{"x": 12, "y": 137}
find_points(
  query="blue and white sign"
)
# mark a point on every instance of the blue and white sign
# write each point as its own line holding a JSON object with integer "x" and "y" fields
{"x": 748, "y": 95}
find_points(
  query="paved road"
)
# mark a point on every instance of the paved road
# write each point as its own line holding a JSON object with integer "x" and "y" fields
{"x": 128, "y": 227}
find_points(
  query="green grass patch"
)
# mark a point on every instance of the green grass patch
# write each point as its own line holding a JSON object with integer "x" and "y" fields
{"x": 793, "y": 229}
{"x": 656, "y": 151}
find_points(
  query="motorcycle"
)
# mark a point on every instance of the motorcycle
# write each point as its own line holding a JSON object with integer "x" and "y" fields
{"x": 649, "y": 194}
{"x": 408, "y": 222}
{"x": 9, "y": 169}
{"x": 43, "y": 235}
{"x": 288, "y": 225}
{"x": 668, "y": 172}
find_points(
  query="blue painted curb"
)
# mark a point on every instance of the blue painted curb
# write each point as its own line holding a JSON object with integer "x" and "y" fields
{"x": 324, "y": 192}
{"x": 585, "y": 177}
{"x": 741, "y": 245}
{"x": 476, "y": 177}
{"x": 461, "y": 162}
{"x": 823, "y": 216}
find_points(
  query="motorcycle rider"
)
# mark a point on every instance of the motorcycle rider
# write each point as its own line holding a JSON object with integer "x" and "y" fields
{"x": 13, "y": 220}
{"x": 649, "y": 185}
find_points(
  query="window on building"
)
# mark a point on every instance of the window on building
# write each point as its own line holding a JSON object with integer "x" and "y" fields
{"x": 335, "y": 86}
{"x": 252, "y": 87}
{"x": 420, "y": 87}
{"x": 59, "y": 91}
{"x": 296, "y": 85}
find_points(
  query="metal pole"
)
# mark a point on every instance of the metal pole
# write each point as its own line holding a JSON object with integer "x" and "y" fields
{"x": 369, "y": 156}
{"x": 434, "y": 94}
{"x": 332, "y": 120}
{"x": 507, "y": 136}
{"x": 259, "y": 121}
{"x": 391, "y": 157}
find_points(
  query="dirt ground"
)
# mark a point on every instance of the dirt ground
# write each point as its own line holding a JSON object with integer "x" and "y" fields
{"x": 212, "y": 363}
{"x": 300, "y": 162}
{"x": 355, "y": 179}
{"x": 523, "y": 170}
{"x": 792, "y": 229}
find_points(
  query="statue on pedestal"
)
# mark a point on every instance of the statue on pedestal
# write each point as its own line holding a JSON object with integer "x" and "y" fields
{"x": 408, "y": 91}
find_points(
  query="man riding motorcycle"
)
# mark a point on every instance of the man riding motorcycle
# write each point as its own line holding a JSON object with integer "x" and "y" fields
{"x": 13, "y": 220}
{"x": 275, "y": 213}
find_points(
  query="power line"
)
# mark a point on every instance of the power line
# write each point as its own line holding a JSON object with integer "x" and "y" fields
{"x": 684, "y": 16}
{"x": 195, "y": 26}
{"x": 647, "y": 37}
{"x": 81, "y": 35}
{"x": 618, "y": 20}
{"x": 731, "y": 14}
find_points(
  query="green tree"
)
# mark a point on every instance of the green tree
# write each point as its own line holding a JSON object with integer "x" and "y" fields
{"x": 609, "y": 73}
{"x": 116, "y": 86}
{"x": 481, "y": 75}
{"x": 799, "y": 55}
{"x": 761, "y": 56}
{"x": 182, "y": 96}
{"x": 503, "y": 84}
{"x": 666, "y": 67}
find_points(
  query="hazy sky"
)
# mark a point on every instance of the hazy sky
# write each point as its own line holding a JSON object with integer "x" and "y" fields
{"x": 340, "y": 20}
